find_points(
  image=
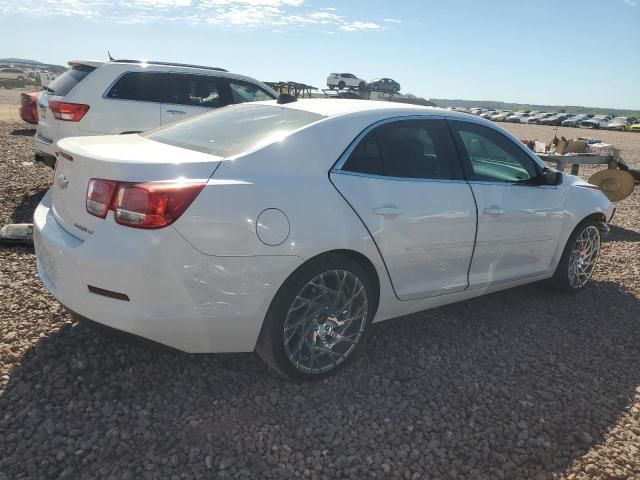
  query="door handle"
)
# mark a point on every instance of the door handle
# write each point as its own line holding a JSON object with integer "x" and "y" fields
{"x": 176, "y": 112}
{"x": 387, "y": 211}
{"x": 493, "y": 211}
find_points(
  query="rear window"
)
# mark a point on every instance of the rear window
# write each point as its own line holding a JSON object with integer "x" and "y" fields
{"x": 69, "y": 79}
{"x": 233, "y": 129}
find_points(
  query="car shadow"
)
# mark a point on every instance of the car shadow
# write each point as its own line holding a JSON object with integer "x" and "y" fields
{"x": 621, "y": 234}
{"x": 23, "y": 213}
{"x": 24, "y": 132}
{"x": 517, "y": 384}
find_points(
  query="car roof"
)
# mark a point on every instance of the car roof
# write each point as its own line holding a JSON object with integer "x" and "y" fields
{"x": 332, "y": 107}
{"x": 97, "y": 63}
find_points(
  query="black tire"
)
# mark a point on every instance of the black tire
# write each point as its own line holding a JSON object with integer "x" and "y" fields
{"x": 341, "y": 85}
{"x": 271, "y": 342}
{"x": 561, "y": 278}
{"x": 331, "y": 87}
{"x": 362, "y": 85}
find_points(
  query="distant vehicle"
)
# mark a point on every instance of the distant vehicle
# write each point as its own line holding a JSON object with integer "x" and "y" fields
{"x": 11, "y": 73}
{"x": 29, "y": 107}
{"x": 501, "y": 116}
{"x": 488, "y": 114}
{"x": 387, "y": 85}
{"x": 599, "y": 121}
{"x": 575, "y": 120}
{"x": 635, "y": 127}
{"x": 128, "y": 96}
{"x": 535, "y": 119}
{"x": 621, "y": 123}
{"x": 345, "y": 80}
{"x": 46, "y": 78}
{"x": 555, "y": 120}
{"x": 518, "y": 117}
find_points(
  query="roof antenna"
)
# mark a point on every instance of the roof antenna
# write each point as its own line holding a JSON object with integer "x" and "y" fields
{"x": 110, "y": 57}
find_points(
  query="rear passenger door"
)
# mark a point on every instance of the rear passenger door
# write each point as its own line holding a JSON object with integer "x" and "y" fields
{"x": 188, "y": 95}
{"x": 404, "y": 180}
{"x": 131, "y": 104}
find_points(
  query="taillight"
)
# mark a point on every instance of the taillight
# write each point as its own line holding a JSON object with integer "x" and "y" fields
{"x": 142, "y": 205}
{"x": 70, "y": 112}
{"x": 99, "y": 195}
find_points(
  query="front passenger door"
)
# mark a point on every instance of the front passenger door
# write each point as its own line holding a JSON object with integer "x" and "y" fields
{"x": 519, "y": 219}
{"x": 404, "y": 180}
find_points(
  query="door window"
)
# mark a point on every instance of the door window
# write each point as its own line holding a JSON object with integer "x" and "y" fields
{"x": 492, "y": 156}
{"x": 139, "y": 86}
{"x": 247, "y": 92}
{"x": 407, "y": 149}
{"x": 196, "y": 91}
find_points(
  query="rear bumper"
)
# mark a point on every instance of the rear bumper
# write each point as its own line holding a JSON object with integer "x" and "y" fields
{"x": 177, "y": 296}
{"x": 44, "y": 146}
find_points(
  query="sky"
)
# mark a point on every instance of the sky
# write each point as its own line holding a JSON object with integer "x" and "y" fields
{"x": 555, "y": 52}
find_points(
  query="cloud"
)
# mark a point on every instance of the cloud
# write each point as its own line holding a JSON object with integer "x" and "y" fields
{"x": 391, "y": 20}
{"x": 360, "y": 26}
{"x": 631, "y": 3}
{"x": 275, "y": 15}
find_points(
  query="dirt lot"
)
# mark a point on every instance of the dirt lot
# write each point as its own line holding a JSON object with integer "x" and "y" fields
{"x": 521, "y": 384}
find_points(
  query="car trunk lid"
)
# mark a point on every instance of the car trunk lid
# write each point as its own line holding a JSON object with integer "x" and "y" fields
{"x": 123, "y": 158}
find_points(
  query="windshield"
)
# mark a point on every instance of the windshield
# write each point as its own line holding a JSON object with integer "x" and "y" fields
{"x": 69, "y": 79}
{"x": 235, "y": 129}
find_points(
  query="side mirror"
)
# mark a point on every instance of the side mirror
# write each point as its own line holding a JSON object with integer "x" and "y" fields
{"x": 550, "y": 177}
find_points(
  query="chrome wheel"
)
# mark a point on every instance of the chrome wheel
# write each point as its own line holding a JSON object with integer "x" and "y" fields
{"x": 325, "y": 321}
{"x": 584, "y": 256}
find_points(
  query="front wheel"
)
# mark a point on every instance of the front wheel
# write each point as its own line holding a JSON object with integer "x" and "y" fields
{"x": 318, "y": 318}
{"x": 361, "y": 85}
{"x": 579, "y": 258}
{"x": 341, "y": 85}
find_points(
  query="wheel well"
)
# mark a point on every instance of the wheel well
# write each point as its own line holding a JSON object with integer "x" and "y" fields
{"x": 598, "y": 217}
{"x": 365, "y": 263}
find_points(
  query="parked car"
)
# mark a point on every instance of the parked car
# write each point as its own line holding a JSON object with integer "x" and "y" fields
{"x": 635, "y": 127}
{"x": 575, "y": 120}
{"x": 127, "y": 96}
{"x": 621, "y": 123}
{"x": 387, "y": 85}
{"x": 518, "y": 117}
{"x": 10, "y": 73}
{"x": 488, "y": 114}
{"x": 29, "y": 107}
{"x": 599, "y": 121}
{"x": 555, "y": 120}
{"x": 345, "y": 80}
{"x": 225, "y": 244}
{"x": 536, "y": 119}
{"x": 501, "y": 116}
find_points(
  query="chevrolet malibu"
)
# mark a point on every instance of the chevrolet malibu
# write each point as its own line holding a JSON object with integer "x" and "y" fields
{"x": 288, "y": 228}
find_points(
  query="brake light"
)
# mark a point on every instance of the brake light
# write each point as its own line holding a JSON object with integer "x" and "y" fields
{"x": 70, "y": 112}
{"x": 99, "y": 195}
{"x": 142, "y": 205}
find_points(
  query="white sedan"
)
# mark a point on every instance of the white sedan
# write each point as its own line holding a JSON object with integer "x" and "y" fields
{"x": 288, "y": 228}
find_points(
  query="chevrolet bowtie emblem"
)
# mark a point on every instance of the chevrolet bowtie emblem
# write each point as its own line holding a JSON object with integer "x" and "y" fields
{"x": 62, "y": 181}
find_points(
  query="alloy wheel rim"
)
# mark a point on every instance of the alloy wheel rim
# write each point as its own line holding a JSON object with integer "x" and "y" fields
{"x": 584, "y": 256}
{"x": 325, "y": 321}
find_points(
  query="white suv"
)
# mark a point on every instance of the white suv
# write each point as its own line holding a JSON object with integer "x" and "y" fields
{"x": 345, "y": 80}
{"x": 130, "y": 96}
{"x": 11, "y": 73}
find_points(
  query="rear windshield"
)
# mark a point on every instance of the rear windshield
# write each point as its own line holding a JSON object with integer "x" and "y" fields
{"x": 69, "y": 79}
{"x": 234, "y": 129}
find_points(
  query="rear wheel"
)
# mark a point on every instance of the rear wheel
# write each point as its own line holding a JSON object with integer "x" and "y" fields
{"x": 579, "y": 258}
{"x": 318, "y": 318}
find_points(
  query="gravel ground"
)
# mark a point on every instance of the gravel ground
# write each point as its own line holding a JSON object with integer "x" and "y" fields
{"x": 520, "y": 384}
